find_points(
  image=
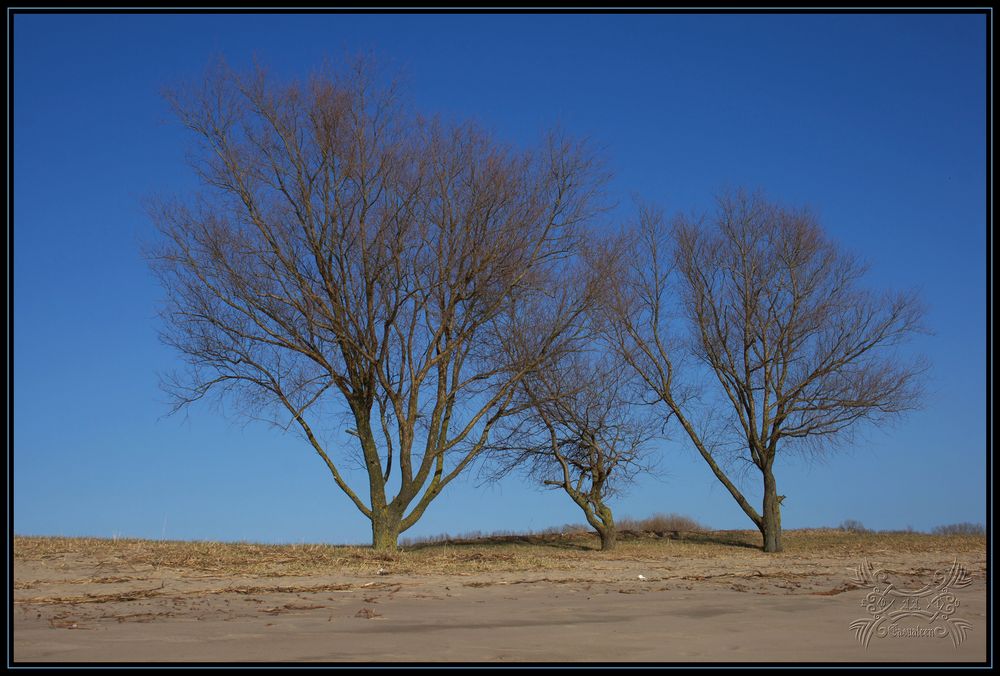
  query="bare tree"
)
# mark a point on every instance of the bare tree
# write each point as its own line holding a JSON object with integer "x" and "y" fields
{"x": 799, "y": 351}
{"x": 348, "y": 257}
{"x": 580, "y": 428}
{"x": 580, "y": 432}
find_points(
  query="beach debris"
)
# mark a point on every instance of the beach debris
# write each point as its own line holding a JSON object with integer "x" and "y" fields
{"x": 57, "y": 623}
{"x": 642, "y": 577}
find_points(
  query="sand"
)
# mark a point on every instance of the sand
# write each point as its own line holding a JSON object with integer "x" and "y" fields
{"x": 718, "y": 605}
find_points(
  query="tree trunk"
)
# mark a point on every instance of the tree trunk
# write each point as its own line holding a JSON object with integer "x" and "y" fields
{"x": 385, "y": 531}
{"x": 607, "y": 529}
{"x": 770, "y": 524}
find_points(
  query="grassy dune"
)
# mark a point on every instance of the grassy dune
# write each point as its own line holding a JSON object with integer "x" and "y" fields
{"x": 483, "y": 554}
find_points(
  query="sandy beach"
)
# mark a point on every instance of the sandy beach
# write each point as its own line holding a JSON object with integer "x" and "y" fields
{"x": 699, "y": 599}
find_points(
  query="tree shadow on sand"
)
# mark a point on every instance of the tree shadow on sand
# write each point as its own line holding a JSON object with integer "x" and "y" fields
{"x": 580, "y": 541}
{"x": 571, "y": 542}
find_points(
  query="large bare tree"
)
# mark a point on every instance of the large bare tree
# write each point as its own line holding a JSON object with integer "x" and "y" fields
{"x": 349, "y": 258}
{"x": 800, "y": 352}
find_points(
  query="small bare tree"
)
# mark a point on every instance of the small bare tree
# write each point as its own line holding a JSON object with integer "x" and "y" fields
{"x": 581, "y": 432}
{"x": 775, "y": 311}
{"x": 349, "y": 258}
{"x": 580, "y": 427}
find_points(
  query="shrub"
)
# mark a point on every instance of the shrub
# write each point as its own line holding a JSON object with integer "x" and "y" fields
{"x": 853, "y": 526}
{"x": 965, "y": 528}
{"x": 661, "y": 522}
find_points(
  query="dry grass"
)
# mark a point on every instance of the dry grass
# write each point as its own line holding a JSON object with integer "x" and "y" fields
{"x": 459, "y": 557}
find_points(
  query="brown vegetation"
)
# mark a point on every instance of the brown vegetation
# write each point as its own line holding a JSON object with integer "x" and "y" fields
{"x": 461, "y": 556}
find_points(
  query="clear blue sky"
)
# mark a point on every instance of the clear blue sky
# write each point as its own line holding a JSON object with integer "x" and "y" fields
{"x": 877, "y": 122}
